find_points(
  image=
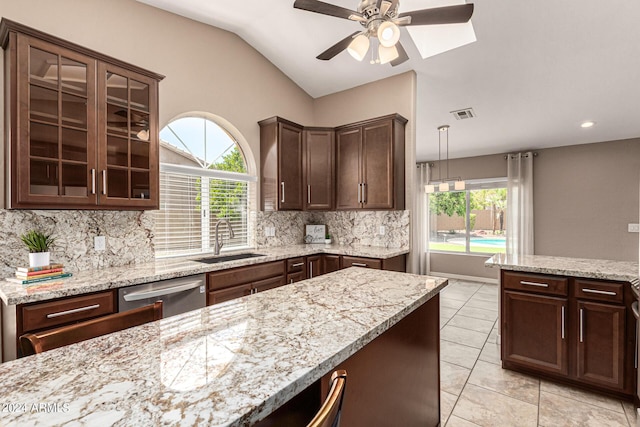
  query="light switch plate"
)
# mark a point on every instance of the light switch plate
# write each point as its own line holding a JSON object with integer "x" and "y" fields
{"x": 634, "y": 228}
{"x": 382, "y": 231}
{"x": 100, "y": 243}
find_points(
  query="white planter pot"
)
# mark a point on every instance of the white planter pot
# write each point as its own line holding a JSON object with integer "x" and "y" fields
{"x": 327, "y": 241}
{"x": 39, "y": 259}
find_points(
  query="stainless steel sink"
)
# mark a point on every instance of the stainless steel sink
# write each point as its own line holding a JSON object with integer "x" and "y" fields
{"x": 217, "y": 259}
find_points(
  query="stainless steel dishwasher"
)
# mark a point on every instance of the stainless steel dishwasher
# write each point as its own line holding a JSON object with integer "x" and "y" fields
{"x": 178, "y": 295}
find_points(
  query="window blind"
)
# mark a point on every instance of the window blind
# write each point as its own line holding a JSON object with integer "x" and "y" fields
{"x": 192, "y": 201}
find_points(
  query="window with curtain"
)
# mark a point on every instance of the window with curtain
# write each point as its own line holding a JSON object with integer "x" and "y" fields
{"x": 203, "y": 179}
{"x": 469, "y": 221}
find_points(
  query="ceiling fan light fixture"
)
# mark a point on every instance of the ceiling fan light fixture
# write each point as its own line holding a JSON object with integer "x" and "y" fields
{"x": 387, "y": 54}
{"x": 388, "y": 34}
{"x": 358, "y": 47}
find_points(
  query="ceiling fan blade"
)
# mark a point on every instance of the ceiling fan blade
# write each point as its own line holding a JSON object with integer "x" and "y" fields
{"x": 402, "y": 55}
{"x": 337, "y": 48}
{"x": 440, "y": 15}
{"x": 324, "y": 8}
{"x": 391, "y": 6}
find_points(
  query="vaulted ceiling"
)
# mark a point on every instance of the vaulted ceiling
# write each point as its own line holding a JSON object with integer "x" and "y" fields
{"x": 538, "y": 69}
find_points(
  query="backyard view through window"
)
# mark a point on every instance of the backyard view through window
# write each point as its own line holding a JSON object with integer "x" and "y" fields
{"x": 471, "y": 221}
{"x": 203, "y": 179}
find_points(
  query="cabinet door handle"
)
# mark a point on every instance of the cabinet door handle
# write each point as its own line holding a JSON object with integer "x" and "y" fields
{"x": 562, "y": 324}
{"x": 75, "y": 310}
{"x": 581, "y": 325}
{"x": 282, "y": 185}
{"x": 364, "y": 193}
{"x": 93, "y": 181}
{"x": 599, "y": 292}
{"x": 358, "y": 264}
{"x": 290, "y": 281}
{"x": 311, "y": 270}
{"x": 104, "y": 182}
{"x": 359, "y": 188}
{"x": 309, "y": 194}
{"x": 297, "y": 264}
{"x": 541, "y": 285}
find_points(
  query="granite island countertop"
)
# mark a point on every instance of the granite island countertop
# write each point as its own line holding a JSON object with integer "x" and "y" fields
{"x": 625, "y": 271}
{"x": 229, "y": 364}
{"x": 83, "y": 282}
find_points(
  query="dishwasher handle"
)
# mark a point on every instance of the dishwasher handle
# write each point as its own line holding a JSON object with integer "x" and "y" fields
{"x": 151, "y": 293}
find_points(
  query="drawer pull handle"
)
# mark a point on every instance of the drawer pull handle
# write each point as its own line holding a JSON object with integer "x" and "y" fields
{"x": 540, "y": 285}
{"x": 359, "y": 264}
{"x": 75, "y": 310}
{"x": 297, "y": 264}
{"x": 562, "y": 325}
{"x": 599, "y": 292}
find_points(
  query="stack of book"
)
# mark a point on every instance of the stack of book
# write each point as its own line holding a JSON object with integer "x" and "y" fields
{"x": 27, "y": 275}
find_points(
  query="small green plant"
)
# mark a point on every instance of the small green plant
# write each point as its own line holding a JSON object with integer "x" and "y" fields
{"x": 37, "y": 241}
{"x": 327, "y": 236}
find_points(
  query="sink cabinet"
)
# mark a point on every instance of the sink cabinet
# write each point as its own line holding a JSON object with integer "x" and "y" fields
{"x": 237, "y": 282}
{"x": 83, "y": 126}
{"x": 576, "y": 330}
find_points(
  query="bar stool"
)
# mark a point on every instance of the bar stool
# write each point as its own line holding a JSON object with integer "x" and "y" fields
{"x": 329, "y": 413}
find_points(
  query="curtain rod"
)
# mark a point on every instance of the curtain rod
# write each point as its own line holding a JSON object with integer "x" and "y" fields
{"x": 506, "y": 156}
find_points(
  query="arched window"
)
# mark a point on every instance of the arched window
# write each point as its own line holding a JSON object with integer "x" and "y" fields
{"x": 203, "y": 179}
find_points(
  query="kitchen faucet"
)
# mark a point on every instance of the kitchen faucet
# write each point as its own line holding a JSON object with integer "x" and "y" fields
{"x": 218, "y": 243}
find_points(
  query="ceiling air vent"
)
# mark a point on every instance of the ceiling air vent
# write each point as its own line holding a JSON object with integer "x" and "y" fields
{"x": 466, "y": 113}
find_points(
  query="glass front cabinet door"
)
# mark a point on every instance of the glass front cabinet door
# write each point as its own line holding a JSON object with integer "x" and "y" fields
{"x": 82, "y": 127}
{"x": 54, "y": 159}
{"x": 128, "y": 138}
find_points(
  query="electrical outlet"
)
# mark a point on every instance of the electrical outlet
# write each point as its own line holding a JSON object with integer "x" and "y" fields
{"x": 382, "y": 231}
{"x": 99, "y": 243}
{"x": 634, "y": 228}
{"x": 269, "y": 231}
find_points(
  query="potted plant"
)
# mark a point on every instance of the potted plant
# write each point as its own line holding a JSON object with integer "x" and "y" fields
{"x": 38, "y": 244}
{"x": 327, "y": 239}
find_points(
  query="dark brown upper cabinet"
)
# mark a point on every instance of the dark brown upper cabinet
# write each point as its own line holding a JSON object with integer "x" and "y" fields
{"x": 319, "y": 169}
{"x": 83, "y": 126}
{"x": 370, "y": 164}
{"x": 356, "y": 166}
{"x": 280, "y": 165}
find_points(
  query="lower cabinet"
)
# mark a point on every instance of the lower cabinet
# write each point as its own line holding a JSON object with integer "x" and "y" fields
{"x": 237, "y": 282}
{"x": 330, "y": 263}
{"x": 577, "y": 330}
{"x": 314, "y": 266}
{"x": 601, "y": 343}
{"x": 540, "y": 344}
{"x": 351, "y": 261}
{"x": 40, "y": 316}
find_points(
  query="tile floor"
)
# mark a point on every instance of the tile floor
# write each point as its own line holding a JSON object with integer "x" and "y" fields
{"x": 476, "y": 391}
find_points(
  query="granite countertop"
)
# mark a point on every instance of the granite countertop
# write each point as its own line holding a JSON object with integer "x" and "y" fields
{"x": 83, "y": 282}
{"x": 580, "y": 267}
{"x": 229, "y": 364}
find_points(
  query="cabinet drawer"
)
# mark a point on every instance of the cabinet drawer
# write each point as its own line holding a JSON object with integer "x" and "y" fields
{"x": 46, "y": 315}
{"x": 222, "y": 295}
{"x": 351, "y": 261}
{"x": 538, "y": 283}
{"x": 244, "y": 275}
{"x": 599, "y": 291}
{"x": 295, "y": 264}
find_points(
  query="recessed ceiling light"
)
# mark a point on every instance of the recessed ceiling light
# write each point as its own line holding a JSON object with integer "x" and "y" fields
{"x": 587, "y": 124}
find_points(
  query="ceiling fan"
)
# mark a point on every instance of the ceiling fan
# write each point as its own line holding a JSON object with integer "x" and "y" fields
{"x": 381, "y": 20}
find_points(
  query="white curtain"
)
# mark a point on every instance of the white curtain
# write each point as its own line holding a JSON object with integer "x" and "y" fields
{"x": 421, "y": 220}
{"x": 520, "y": 204}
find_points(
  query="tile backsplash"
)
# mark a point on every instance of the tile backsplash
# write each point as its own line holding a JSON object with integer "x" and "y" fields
{"x": 128, "y": 235}
{"x": 345, "y": 227}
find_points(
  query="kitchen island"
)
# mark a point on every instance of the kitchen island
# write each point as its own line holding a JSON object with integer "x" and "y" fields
{"x": 237, "y": 362}
{"x": 569, "y": 320}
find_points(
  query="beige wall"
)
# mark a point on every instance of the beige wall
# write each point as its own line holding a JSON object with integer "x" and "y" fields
{"x": 584, "y": 196}
{"x": 206, "y": 69}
